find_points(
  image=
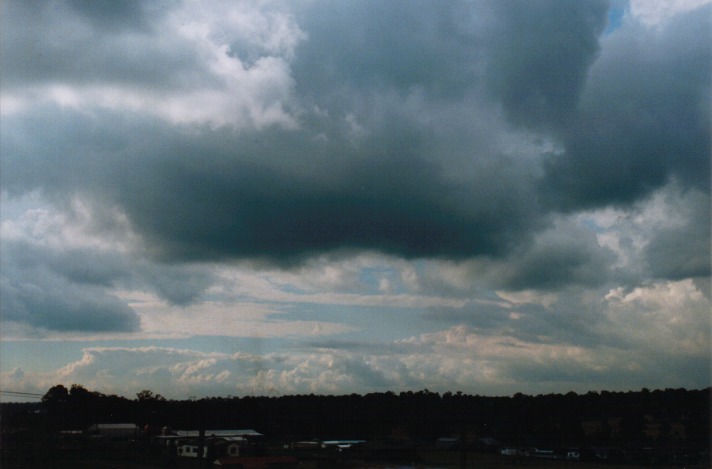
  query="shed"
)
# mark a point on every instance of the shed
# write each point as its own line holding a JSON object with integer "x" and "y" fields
{"x": 248, "y": 433}
{"x": 114, "y": 430}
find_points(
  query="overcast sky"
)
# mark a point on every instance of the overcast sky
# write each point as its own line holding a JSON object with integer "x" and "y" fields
{"x": 233, "y": 197}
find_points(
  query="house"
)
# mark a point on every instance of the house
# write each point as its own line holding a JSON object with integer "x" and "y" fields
{"x": 191, "y": 451}
{"x": 233, "y": 445}
{"x": 213, "y": 446}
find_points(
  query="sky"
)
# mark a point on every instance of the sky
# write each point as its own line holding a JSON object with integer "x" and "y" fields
{"x": 229, "y": 198}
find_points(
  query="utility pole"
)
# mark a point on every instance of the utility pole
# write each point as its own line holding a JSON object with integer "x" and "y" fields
{"x": 201, "y": 446}
{"x": 463, "y": 448}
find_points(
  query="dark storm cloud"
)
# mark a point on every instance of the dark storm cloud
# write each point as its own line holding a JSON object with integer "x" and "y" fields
{"x": 644, "y": 118}
{"x": 176, "y": 283}
{"x": 34, "y": 292}
{"x": 559, "y": 257}
{"x": 75, "y": 265}
{"x": 276, "y": 194}
{"x": 69, "y": 289}
{"x": 51, "y": 304}
{"x": 398, "y": 156}
{"x": 279, "y": 194}
{"x": 538, "y": 56}
{"x": 357, "y": 47}
{"x": 533, "y": 55}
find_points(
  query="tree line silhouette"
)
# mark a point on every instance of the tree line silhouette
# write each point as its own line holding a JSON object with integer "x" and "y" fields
{"x": 670, "y": 417}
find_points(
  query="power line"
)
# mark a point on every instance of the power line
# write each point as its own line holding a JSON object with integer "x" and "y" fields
{"x": 20, "y": 393}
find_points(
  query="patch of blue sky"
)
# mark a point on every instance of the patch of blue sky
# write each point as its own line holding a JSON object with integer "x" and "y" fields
{"x": 372, "y": 323}
{"x": 288, "y": 287}
{"x": 372, "y": 278}
{"x": 616, "y": 12}
{"x": 228, "y": 345}
{"x": 40, "y": 355}
{"x": 51, "y": 355}
{"x": 592, "y": 225}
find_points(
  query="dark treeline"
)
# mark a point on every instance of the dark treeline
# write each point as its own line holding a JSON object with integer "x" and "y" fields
{"x": 671, "y": 417}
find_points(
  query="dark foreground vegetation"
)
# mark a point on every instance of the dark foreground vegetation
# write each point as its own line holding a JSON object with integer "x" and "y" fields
{"x": 423, "y": 429}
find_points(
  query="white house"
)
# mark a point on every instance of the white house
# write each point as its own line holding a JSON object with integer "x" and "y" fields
{"x": 191, "y": 451}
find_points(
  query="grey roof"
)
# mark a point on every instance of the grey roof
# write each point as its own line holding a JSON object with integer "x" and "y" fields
{"x": 113, "y": 426}
{"x": 220, "y": 433}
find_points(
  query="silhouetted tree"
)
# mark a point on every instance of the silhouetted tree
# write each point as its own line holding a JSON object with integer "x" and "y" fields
{"x": 56, "y": 394}
{"x": 421, "y": 416}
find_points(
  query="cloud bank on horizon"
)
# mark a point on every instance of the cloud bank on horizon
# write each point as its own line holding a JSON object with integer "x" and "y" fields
{"x": 485, "y": 196}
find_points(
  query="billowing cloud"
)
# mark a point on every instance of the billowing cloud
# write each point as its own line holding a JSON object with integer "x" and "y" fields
{"x": 350, "y": 175}
{"x": 343, "y": 174}
{"x": 641, "y": 119}
{"x": 539, "y": 57}
{"x": 357, "y": 145}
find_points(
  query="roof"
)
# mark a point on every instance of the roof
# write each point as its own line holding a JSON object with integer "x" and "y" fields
{"x": 220, "y": 433}
{"x": 113, "y": 426}
{"x": 342, "y": 442}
